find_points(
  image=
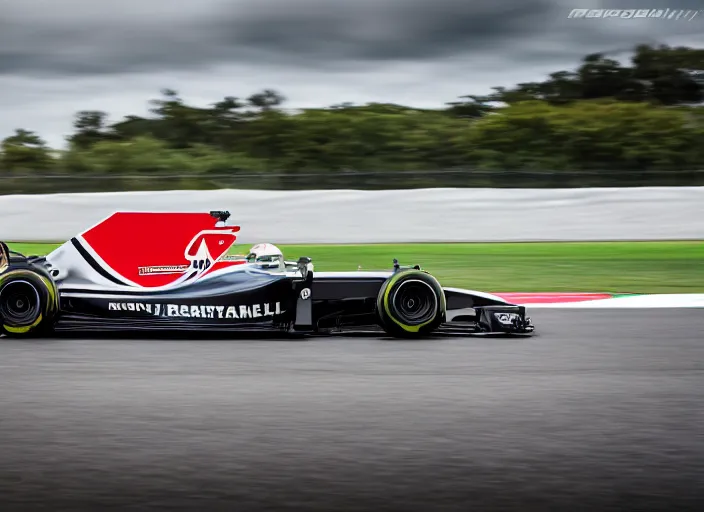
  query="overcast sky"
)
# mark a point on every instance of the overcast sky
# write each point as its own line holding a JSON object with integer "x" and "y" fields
{"x": 61, "y": 56}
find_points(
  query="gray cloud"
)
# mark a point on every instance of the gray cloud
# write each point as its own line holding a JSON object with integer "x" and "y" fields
{"x": 383, "y": 30}
{"x": 59, "y": 56}
{"x": 88, "y": 37}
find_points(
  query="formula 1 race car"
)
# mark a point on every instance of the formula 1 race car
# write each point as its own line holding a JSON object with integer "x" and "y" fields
{"x": 173, "y": 272}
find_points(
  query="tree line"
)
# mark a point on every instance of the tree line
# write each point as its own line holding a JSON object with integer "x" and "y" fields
{"x": 604, "y": 121}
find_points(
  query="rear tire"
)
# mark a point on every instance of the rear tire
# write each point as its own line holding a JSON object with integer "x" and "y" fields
{"x": 411, "y": 304}
{"x": 28, "y": 303}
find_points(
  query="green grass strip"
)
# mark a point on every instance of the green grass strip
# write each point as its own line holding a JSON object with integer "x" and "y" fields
{"x": 609, "y": 267}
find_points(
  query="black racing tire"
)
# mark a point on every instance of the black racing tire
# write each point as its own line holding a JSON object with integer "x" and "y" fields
{"x": 28, "y": 303}
{"x": 411, "y": 304}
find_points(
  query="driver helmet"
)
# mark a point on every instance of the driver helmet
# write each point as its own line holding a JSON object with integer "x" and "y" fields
{"x": 266, "y": 256}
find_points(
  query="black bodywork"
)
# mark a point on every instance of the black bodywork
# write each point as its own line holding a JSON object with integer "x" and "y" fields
{"x": 296, "y": 301}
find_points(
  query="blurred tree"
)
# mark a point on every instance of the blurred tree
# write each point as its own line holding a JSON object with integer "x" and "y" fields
{"x": 90, "y": 127}
{"x": 266, "y": 100}
{"x": 471, "y": 107}
{"x": 601, "y": 134}
{"x": 632, "y": 119}
{"x": 670, "y": 74}
{"x": 178, "y": 124}
{"x": 26, "y": 151}
{"x": 226, "y": 120}
{"x": 663, "y": 74}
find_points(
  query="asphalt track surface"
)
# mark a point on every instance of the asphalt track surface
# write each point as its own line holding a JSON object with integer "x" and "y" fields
{"x": 602, "y": 410}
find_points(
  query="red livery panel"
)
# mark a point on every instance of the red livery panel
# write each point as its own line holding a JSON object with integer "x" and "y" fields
{"x": 157, "y": 249}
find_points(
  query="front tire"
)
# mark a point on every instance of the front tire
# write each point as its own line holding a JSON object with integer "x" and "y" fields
{"x": 28, "y": 303}
{"x": 411, "y": 304}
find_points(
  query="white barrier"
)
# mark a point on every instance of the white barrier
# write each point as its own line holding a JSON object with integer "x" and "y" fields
{"x": 351, "y": 216}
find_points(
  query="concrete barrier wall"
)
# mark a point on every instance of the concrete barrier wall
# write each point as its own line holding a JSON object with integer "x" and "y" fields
{"x": 350, "y": 216}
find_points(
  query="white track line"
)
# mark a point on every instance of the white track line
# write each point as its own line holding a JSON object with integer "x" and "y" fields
{"x": 690, "y": 300}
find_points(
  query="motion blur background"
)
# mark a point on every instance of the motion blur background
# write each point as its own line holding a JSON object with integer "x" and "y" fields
{"x": 298, "y": 94}
{"x": 602, "y": 410}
